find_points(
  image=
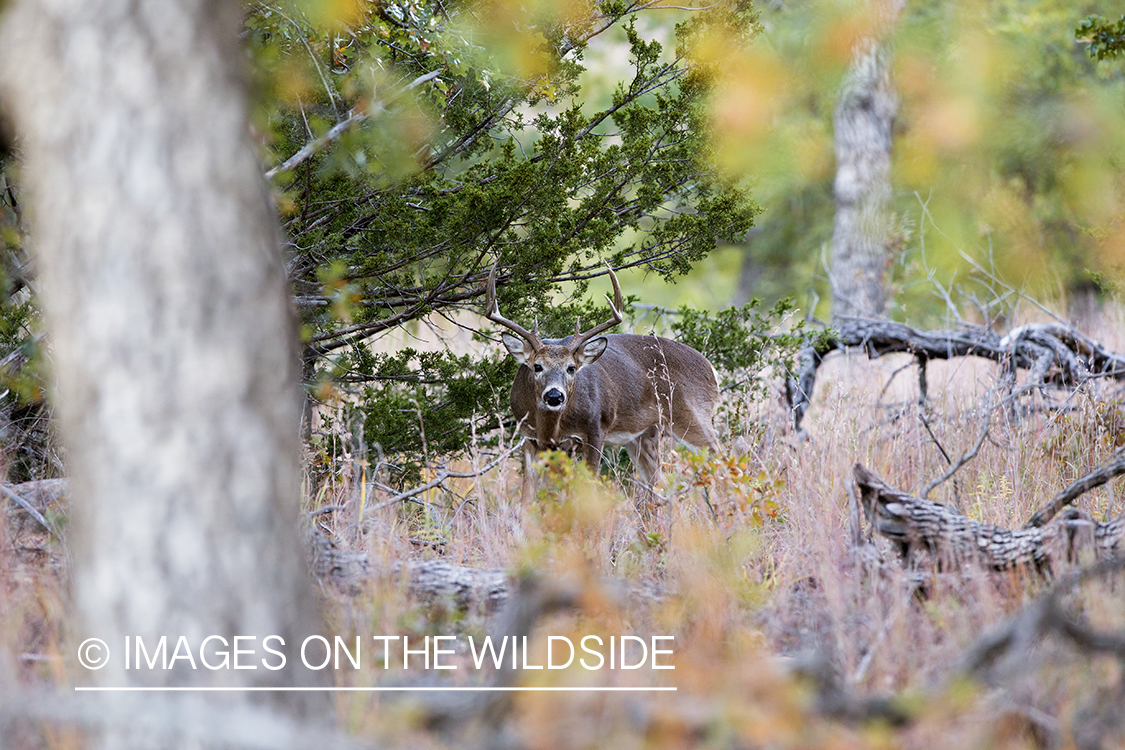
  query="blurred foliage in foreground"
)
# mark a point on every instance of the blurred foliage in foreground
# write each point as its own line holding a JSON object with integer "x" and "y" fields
{"x": 1106, "y": 39}
{"x": 1009, "y": 145}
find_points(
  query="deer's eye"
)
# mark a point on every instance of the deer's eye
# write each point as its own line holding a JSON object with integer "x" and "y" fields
{"x": 570, "y": 370}
{"x": 539, "y": 368}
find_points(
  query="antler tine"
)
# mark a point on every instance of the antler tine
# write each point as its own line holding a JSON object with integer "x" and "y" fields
{"x": 492, "y": 310}
{"x": 615, "y": 306}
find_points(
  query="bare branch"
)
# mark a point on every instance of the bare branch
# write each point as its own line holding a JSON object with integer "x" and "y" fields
{"x": 1052, "y": 353}
{"x": 965, "y": 457}
{"x": 1044, "y": 616}
{"x": 355, "y": 118}
{"x": 31, "y": 511}
{"x": 1095, "y": 478}
{"x": 445, "y": 474}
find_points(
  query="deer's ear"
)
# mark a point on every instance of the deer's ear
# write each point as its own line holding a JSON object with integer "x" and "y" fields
{"x": 591, "y": 350}
{"x": 517, "y": 347}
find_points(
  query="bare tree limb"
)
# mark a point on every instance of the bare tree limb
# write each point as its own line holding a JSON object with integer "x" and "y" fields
{"x": 445, "y": 474}
{"x": 355, "y": 118}
{"x": 31, "y": 511}
{"x": 1053, "y": 353}
{"x": 965, "y": 457}
{"x": 1095, "y": 478}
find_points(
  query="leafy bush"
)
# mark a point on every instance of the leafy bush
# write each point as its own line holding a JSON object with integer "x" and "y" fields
{"x": 743, "y": 341}
{"x": 28, "y": 443}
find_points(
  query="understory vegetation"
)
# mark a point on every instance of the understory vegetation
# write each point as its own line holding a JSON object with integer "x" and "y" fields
{"x": 791, "y": 621}
{"x": 793, "y": 626}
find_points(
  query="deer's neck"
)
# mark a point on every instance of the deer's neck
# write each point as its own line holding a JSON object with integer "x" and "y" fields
{"x": 548, "y": 427}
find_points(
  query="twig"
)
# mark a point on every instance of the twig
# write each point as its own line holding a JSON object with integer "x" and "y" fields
{"x": 930, "y": 432}
{"x": 965, "y": 457}
{"x": 340, "y": 128}
{"x": 31, "y": 511}
{"x": 445, "y": 474}
{"x": 1095, "y": 478}
{"x": 892, "y": 377}
{"x": 325, "y": 509}
{"x": 333, "y": 96}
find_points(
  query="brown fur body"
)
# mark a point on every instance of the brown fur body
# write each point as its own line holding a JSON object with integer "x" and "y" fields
{"x": 639, "y": 389}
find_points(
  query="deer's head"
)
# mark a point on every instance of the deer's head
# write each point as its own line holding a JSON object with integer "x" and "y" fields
{"x": 554, "y": 366}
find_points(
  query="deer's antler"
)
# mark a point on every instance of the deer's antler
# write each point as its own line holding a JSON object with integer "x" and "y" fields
{"x": 616, "y": 318}
{"x": 492, "y": 310}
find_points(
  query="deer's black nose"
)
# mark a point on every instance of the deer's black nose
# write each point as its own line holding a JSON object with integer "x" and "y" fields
{"x": 554, "y": 397}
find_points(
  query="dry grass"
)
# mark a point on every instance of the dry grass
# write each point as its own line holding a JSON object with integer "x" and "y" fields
{"x": 754, "y": 554}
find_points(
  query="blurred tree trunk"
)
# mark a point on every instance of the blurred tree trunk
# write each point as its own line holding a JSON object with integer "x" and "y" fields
{"x": 169, "y": 318}
{"x": 863, "y": 121}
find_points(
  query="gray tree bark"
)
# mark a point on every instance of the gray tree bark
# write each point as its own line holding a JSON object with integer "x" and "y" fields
{"x": 864, "y": 118}
{"x": 171, "y": 333}
{"x": 917, "y": 525}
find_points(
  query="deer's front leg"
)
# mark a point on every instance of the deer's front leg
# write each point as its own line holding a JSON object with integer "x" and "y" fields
{"x": 592, "y": 451}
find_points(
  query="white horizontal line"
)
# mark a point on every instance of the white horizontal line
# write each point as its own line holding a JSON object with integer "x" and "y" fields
{"x": 376, "y": 689}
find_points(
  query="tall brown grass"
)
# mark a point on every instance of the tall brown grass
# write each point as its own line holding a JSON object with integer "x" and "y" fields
{"x": 761, "y": 578}
{"x": 751, "y": 565}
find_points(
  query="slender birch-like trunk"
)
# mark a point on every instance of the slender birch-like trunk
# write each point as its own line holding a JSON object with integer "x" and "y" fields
{"x": 863, "y": 121}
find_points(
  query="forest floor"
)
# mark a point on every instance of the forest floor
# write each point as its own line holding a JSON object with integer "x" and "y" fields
{"x": 787, "y": 620}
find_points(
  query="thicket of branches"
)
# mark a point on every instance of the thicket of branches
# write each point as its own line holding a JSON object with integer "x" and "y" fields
{"x": 454, "y": 161}
{"x": 413, "y": 145}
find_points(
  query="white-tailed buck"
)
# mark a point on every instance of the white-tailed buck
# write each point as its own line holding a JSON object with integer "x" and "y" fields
{"x": 588, "y": 390}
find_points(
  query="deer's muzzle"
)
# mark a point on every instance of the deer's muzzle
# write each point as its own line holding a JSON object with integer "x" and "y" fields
{"x": 554, "y": 398}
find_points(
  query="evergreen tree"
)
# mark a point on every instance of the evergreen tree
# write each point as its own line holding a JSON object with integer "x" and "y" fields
{"x": 416, "y": 158}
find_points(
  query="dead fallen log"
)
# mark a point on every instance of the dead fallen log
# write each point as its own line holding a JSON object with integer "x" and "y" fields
{"x": 433, "y": 582}
{"x": 1053, "y": 353}
{"x": 916, "y": 526}
{"x": 437, "y": 583}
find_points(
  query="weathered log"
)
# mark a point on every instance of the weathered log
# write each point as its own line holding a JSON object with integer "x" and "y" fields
{"x": 437, "y": 583}
{"x": 917, "y": 525}
{"x": 1053, "y": 353}
{"x": 433, "y": 582}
